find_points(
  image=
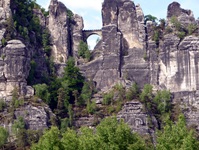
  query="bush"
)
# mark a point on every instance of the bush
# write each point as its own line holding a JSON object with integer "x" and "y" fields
{"x": 41, "y": 90}
{"x": 191, "y": 28}
{"x": 176, "y": 23}
{"x": 169, "y": 30}
{"x": 91, "y": 107}
{"x": 181, "y": 34}
{"x": 132, "y": 92}
{"x": 3, "y": 41}
{"x": 163, "y": 101}
{"x": 19, "y": 124}
{"x": 146, "y": 93}
{"x": 108, "y": 98}
{"x": 86, "y": 93}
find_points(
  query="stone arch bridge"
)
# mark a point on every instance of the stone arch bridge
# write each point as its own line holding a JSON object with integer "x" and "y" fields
{"x": 87, "y": 33}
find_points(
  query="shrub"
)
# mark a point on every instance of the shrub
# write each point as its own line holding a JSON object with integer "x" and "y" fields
{"x": 91, "y": 107}
{"x": 181, "y": 34}
{"x": 41, "y": 90}
{"x": 108, "y": 98}
{"x": 146, "y": 93}
{"x": 132, "y": 92}
{"x": 3, "y": 41}
{"x": 191, "y": 28}
{"x": 169, "y": 30}
{"x": 176, "y": 23}
{"x": 163, "y": 101}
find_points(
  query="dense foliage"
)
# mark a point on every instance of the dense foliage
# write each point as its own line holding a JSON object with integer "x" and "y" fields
{"x": 110, "y": 134}
{"x": 176, "y": 136}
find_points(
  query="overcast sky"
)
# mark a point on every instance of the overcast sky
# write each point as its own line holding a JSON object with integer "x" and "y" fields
{"x": 90, "y": 10}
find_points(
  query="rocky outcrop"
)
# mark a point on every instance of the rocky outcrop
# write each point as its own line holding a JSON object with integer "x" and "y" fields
{"x": 184, "y": 16}
{"x": 138, "y": 120}
{"x": 14, "y": 66}
{"x": 35, "y": 117}
{"x": 77, "y": 27}
{"x": 5, "y": 11}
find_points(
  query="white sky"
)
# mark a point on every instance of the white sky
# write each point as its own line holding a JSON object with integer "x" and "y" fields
{"x": 90, "y": 10}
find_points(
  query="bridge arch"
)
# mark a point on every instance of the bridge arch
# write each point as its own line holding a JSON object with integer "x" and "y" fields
{"x": 88, "y": 33}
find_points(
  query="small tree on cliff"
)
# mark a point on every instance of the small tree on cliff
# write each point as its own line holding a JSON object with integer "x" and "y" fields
{"x": 83, "y": 51}
{"x": 72, "y": 79}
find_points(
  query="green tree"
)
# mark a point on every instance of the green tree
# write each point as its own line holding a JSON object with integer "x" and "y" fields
{"x": 3, "y": 136}
{"x": 72, "y": 79}
{"x": 83, "y": 51}
{"x": 88, "y": 140}
{"x": 146, "y": 93}
{"x": 163, "y": 101}
{"x": 146, "y": 96}
{"x": 70, "y": 140}
{"x": 150, "y": 18}
{"x": 117, "y": 135}
{"x": 49, "y": 141}
{"x": 86, "y": 92}
{"x": 41, "y": 90}
{"x": 176, "y": 136}
{"x": 132, "y": 92}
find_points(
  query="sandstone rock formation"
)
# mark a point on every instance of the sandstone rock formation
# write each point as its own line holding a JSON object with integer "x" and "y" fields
{"x": 58, "y": 24}
{"x": 15, "y": 66}
{"x": 138, "y": 120}
{"x": 121, "y": 40}
{"x": 77, "y": 27}
{"x": 184, "y": 16}
{"x": 127, "y": 56}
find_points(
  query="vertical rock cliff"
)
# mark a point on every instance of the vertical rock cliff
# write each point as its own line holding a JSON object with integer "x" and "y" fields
{"x": 123, "y": 37}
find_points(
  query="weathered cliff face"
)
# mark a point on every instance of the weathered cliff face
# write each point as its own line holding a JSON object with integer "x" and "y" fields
{"x": 174, "y": 65}
{"x": 15, "y": 66}
{"x": 5, "y": 11}
{"x": 121, "y": 40}
{"x": 138, "y": 120}
{"x": 58, "y": 24}
{"x": 77, "y": 27}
